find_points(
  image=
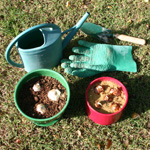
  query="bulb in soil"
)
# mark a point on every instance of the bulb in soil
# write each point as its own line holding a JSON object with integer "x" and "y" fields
{"x": 98, "y": 89}
{"x": 115, "y": 107}
{"x": 98, "y": 104}
{"x": 41, "y": 108}
{"x": 54, "y": 94}
{"x": 36, "y": 87}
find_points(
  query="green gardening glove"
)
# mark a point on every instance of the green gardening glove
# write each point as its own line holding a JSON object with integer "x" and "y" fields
{"x": 80, "y": 72}
{"x": 101, "y": 57}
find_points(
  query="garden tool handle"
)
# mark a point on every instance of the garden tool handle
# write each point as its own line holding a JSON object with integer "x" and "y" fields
{"x": 18, "y": 37}
{"x": 131, "y": 39}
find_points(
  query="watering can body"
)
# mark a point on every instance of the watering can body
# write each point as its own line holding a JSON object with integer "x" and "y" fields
{"x": 41, "y": 46}
{"x": 41, "y": 49}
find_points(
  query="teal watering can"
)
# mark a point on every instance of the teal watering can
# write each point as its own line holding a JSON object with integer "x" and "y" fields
{"x": 41, "y": 46}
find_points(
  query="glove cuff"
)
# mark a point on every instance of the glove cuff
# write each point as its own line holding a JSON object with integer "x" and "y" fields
{"x": 123, "y": 59}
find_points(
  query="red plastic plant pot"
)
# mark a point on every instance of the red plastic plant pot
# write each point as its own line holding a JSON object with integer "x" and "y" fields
{"x": 101, "y": 118}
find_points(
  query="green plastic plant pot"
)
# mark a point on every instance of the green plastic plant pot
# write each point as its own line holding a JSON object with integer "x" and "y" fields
{"x": 34, "y": 74}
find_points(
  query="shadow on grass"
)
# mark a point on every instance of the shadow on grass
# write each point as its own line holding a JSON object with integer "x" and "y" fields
{"x": 138, "y": 90}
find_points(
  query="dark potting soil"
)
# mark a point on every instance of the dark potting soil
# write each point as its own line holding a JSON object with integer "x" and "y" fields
{"x": 28, "y": 99}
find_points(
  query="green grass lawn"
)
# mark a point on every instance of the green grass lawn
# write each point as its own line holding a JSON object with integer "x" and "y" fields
{"x": 75, "y": 130}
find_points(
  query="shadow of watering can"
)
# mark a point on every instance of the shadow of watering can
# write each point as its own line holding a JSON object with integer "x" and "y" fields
{"x": 41, "y": 46}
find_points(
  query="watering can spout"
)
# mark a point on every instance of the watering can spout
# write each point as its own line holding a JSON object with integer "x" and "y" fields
{"x": 73, "y": 30}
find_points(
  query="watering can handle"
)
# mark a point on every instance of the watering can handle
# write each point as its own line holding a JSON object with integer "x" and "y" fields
{"x": 12, "y": 43}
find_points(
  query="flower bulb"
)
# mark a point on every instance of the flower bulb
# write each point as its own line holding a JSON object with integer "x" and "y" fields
{"x": 41, "y": 108}
{"x": 36, "y": 87}
{"x": 54, "y": 94}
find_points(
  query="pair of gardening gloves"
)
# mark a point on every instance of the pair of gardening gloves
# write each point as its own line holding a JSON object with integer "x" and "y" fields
{"x": 94, "y": 58}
